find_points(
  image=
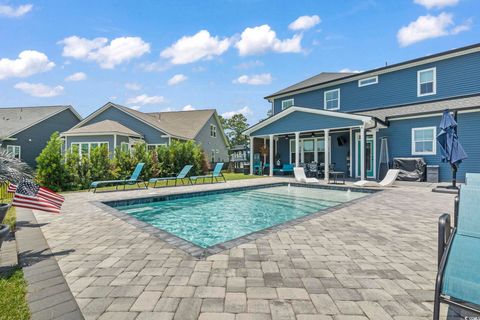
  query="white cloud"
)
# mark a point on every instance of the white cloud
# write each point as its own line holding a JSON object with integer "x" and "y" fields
{"x": 304, "y": 23}
{"x": 29, "y": 62}
{"x": 249, "y": 64}
{"x": 78, "y": 76}
{"x": 135, "y": 107}
{"x": 261, "y": 39}
{"x": 246, "y": 111}
{"x": 438, "y": 4}
{"x": 133, "y": 86}
{"x": 256, "y": 79}
{"x": 11, "y": 12}
{"x": 107, "y": 55}
{"x": 39, "y": 89}
{"x": 348, "y": 70}
{"x": 145, "y": 99}
{"x": 176, "y": 79}
{"x": 188, "y": 107}
{"x": 201, "y": 46}
{"x": 429, "y": 27}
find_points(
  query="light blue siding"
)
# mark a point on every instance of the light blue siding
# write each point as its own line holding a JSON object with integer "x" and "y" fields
{"x": 302, "y": 121}
{"x": 209, "y": 143}
{"x": 151, "y": 135}
{"x": 455, "y": 77}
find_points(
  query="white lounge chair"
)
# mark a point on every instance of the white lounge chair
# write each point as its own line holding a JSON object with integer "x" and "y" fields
{"x": 301, "y": 177}
{"x": 388, "y": 181}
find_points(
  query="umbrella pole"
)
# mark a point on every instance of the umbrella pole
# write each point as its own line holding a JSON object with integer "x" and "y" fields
{"x": 454, "y": 177}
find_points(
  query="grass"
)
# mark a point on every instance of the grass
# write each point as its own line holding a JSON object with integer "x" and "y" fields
{"x": 11, "y": 218}
{"x": 13, "y": 289}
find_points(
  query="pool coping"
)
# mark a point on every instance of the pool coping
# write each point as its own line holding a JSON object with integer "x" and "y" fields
{"x": 202, "y": 253}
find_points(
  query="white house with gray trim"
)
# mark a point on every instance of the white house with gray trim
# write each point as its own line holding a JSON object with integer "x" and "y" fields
{"x": 25, "y": 131}
{"x": 121, "y": 127}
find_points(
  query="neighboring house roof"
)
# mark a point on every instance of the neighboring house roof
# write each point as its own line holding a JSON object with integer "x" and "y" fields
{"x": 315, "y": 80}
{"x": 18, "y": 119}
{"x": 102, "y": 127}
{"x": 417, "y": 109}
{"x": 312, "y": 84}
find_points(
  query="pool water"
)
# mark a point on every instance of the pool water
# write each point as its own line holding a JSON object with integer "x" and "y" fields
{"x": 208, "y": 220}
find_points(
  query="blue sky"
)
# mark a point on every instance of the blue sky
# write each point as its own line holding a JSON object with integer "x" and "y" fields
{"x": 228, "y": 55}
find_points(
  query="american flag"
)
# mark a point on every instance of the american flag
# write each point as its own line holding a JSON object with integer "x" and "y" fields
{"x": 30, "y": 195}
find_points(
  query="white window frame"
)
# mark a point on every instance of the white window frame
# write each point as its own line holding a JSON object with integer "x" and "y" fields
{"x": 155, "y": 145}
{"x": 125, "y": 143}
{"x": 361, "y": 84}
{"x": 287, "y": 100}
{"x": 325, "y": 99}
{"x": 89, "y": 146}
{"x": 12, "y": 146}
{"x": 214, "y": 131}
{"x": 434, "y": 86}
{"x": 434, "y": 142}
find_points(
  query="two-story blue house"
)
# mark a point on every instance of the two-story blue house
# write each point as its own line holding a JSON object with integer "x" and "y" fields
{"x": 329, "y": 115}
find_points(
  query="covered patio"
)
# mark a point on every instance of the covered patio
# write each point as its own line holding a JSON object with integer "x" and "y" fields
{"x": 298, "y": 136}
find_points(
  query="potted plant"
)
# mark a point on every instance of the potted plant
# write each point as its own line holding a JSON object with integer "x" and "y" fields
{"x": 11, "y": 171}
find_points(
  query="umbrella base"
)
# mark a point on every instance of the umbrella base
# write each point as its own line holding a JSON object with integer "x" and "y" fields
{"x": 446, "y": 189}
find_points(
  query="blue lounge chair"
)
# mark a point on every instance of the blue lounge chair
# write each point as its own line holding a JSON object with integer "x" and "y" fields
{"x": 181, "y": 175}
{"x": 134, "y": 179}
{"x": 458, "y": 279}
{"x": 472, "y": 179}
{"x": 217, "y": 173}
{"x": 287, "y": 168}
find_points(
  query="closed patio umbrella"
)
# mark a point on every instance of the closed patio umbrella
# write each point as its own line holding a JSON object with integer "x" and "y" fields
{"x": 452, "y": 150}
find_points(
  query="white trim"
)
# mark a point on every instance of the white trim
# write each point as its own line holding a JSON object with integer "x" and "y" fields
{"x": 89, "y": 146}
{"x": 366, "y": 79}
{"x": 13, "y": 153}
{"x": 156, "y": 145}
{"x": 109, "y": 133}
{"x": 288, "y": 100}
{"x": 379, "y": 72}
{"x": 351, "y": 152}
{"x": 251, "y": 155}
{"x": 325, "y": 99}
{"x": 330, "y": 113}
{"x": 214, "y": 127}
{"x": 372, "y": 136}
{"x": 434, "y": 142}
{"x": 272, "y": 162}
{"x": 125, "y": 143}
{"x": 302, "y": 151}
{"x": 434, "y": 86}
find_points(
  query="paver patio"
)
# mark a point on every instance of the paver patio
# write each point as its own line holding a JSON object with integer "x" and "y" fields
{"x": 374, "y": 259}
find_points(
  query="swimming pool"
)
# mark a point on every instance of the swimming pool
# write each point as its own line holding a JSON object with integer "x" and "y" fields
{"x": 212, "y": 219}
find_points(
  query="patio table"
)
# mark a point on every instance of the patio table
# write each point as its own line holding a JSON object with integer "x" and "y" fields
{"x": 336, "y": 175}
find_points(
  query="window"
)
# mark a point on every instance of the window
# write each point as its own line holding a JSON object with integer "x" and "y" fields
{"x": 213, "y": 131}
{"x": 308, "y": 150}
{"x": 14, "y": 151}
{"x": 427, "y": 82}
{"x": 84, "y": 148}
{"x": 212, "y": 156}
{"x": 331, "y": 99}
{"x": 424, "y": 141}
{"x": 287, "y": 103}
{"x": 155, "y": 146}
{"x": 367, "y": 81}
{"x": 124, "y": 146}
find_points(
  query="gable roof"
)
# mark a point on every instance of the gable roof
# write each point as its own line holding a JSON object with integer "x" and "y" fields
{"x": 102, "y": 127}
{"x": 313, "y": 84}
{"x": 18, "y": 119}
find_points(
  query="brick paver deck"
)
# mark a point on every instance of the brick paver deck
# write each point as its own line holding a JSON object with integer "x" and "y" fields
{"x": 375, "y": 259}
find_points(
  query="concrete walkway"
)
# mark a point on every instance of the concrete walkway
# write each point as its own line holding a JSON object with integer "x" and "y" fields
{"x": 374, "y": 259}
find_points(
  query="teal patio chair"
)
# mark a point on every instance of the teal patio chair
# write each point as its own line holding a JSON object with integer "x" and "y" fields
{"x": 472, "y": 179}
{"x": 458, "y": 278}
{"x": 133, "y": 179}
{"x": 287, "y": 168}
{"x": 216, "y": 174}
{"x": 181, "y": 175}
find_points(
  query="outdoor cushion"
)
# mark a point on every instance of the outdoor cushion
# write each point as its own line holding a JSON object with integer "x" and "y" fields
{"x": 469, "y": 212}
{"x": 472, "y": 179}
{"x": 461, "y": 279}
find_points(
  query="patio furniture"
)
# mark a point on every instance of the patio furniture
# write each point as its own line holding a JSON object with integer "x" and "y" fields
{"x": 217, "y": 173}
{"x": 472, "y": 179}
{"x": 388, "y": 181}
{"x": 458, "y": 279}
{"x": 336, "y": 175}
{"x": 287, "y": 168}
{"x": 313, "y": 170}
{"x": 258, "y": 168}
{"x": 301, "y": 177}
{"x": 181, "y": 175}
{"x": 133, "y": 179}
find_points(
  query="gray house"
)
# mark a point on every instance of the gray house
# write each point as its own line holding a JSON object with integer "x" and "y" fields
{"x": 24, "y": 131}
{"x": 118, "y": 126}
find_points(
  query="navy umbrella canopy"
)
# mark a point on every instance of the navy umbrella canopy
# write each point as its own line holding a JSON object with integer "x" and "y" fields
{"x": 452, "y": 150}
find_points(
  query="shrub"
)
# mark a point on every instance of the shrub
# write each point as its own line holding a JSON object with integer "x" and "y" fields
{"x": 100, "y": 163}
{"x": 51, "y": 165}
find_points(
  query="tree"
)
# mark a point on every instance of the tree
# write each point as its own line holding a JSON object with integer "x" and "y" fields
{"x": 51, "y": 171}
{"x": 234, "y": 128}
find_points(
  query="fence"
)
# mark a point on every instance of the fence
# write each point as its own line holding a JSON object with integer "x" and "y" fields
{"x": 4, "y": 195}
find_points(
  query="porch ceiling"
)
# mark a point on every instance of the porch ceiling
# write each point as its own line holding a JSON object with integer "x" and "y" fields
{"x": 297, "y": 119}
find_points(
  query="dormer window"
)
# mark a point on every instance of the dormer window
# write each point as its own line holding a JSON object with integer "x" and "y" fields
{"x": 426, "y": 82}
{"x": 287, "y": 103}
{"x": 367, "y": 81}
{"x": 331, "y": 99}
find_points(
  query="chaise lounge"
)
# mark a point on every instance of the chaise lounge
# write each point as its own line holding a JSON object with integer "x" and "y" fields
{"x": 300, "y": 176}
{"x": 388, "y": 181}
{"x": 216, "y": 174}
{"x": 181, "y": 176}
{"x": 133, "y": 179}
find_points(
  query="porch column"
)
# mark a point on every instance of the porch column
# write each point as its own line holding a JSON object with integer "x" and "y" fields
{"x": 271, "y": 155}
{"x": 327, "y": 153}
{"x": 297, "y": 149}
{"x": 264, "y": 155}
{"x": 251, "y": 156}
{"x": 362, "y": 153}
{"x": 351, "y": 153}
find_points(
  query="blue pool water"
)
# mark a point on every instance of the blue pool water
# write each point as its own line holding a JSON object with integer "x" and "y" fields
{"x": 212, "y": 219}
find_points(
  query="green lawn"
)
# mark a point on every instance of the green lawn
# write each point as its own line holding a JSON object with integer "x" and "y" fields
{"x": 13, "y": 289}
{"x": 11, "y": 218}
